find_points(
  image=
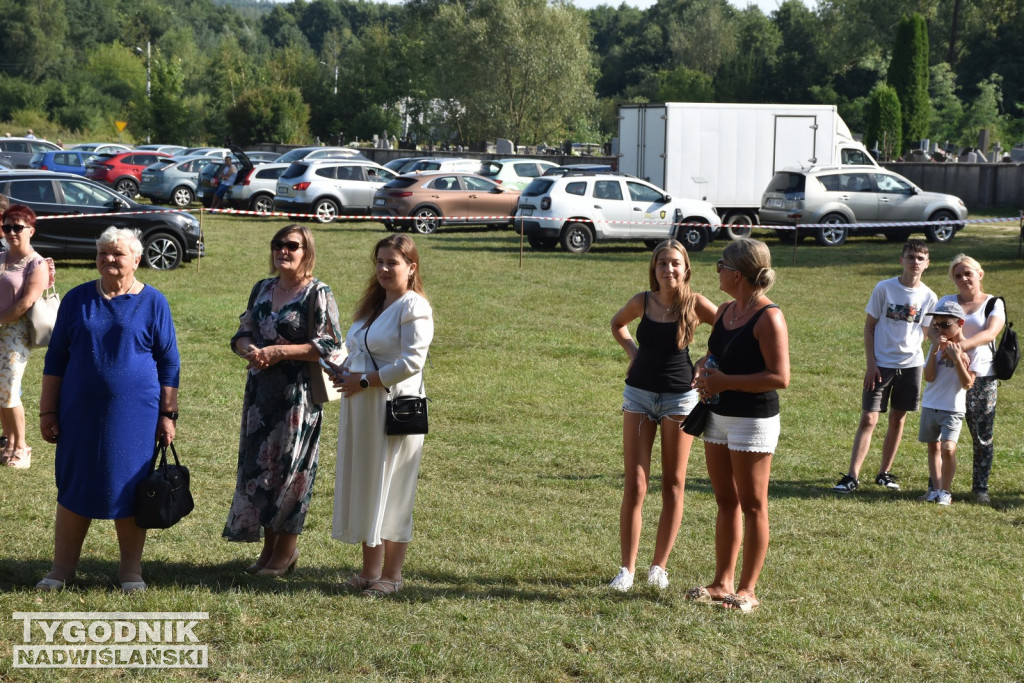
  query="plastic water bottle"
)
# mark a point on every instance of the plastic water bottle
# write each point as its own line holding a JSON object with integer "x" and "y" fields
{"x": 711, "y": 364}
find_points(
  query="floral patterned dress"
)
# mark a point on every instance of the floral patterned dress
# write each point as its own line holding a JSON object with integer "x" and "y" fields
{"x": 280, "y": 433}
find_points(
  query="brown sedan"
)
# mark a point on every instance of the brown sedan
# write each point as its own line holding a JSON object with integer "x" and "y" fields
{"x": 430, "y": 199}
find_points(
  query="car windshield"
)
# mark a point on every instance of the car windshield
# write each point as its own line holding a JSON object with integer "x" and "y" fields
{"x": 85, "y": 194}
{"x": 400, "y": 183}
{"x": 293, "y": 155}
{"x": 489, "y": 169}
{"x": 787, "y": 183}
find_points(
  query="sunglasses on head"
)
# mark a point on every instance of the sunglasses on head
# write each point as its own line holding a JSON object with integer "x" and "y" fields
{"x": 13, "y": 228}
{"x": 722, "y": 265}
{"x": 290, "y": 245}
{"x": 943, "y": 324}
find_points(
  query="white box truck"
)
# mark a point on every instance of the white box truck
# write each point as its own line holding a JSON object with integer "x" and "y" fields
{"x": 727, "y": 153}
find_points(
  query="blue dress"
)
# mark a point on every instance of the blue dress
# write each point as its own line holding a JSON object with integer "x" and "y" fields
{"x": 113, "y": 356}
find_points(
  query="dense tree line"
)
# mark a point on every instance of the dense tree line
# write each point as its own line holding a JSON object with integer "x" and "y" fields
{"x": 473, "y": 70}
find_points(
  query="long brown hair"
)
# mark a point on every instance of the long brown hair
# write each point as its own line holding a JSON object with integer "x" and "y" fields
{"x": 372, "y": 302}
{"x": 683, "y": 300}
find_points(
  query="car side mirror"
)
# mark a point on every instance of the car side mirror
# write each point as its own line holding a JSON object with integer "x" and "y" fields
{"x": 666, "y": 198}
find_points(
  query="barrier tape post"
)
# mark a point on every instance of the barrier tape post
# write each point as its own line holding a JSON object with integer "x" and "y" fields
{"x": 199, "y": 259}
{"x": 522, "y": 238}
{"x": 1020, "y": 241}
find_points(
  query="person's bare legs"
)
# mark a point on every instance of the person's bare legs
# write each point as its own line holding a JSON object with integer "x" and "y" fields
{"x": 948, "y": 469}
{"x": 935, "y": 464}
{"x": 283, "y": 553}
{"x": 862, "y": 441}
{"x": 131, "y": 539}
{"x": 394, "y": 558}
{"x": 373, "y": 559}
{"x": 675, "y": 456}
{"x": 269, "y": 540}
{"x": 69, "y": 531}
{"x": 751, "y": 473}
{"x": 637, "y": 441}
{"x": 728, "y": 523}
{"x": 893, "y": 436}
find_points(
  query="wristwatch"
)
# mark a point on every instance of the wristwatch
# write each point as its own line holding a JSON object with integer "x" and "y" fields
{"x": 364, "y": 381}
{"x": 172, "y": 414}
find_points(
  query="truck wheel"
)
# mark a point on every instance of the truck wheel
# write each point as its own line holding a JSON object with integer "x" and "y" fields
{"x": 834, "y": 233}
{"x": 693, "y": 237}
{"x": 651, "y": 244}
{"x": 577, "y": 238}
{"x": 738, "y": 225}
{"x": 542, "y": 243}
{"x": 941, "y": 233}
{"x": 162, "y": 252}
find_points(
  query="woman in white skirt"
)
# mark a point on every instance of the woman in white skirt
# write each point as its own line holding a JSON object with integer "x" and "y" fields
{"x": 375, "y": 481}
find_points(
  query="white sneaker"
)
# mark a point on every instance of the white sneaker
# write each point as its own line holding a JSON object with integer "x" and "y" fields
{"x": 623, "y": 581}
{"x": 931, "y": 496}
{"x": 944, "y": 498}
{"x": 657, "y": 577}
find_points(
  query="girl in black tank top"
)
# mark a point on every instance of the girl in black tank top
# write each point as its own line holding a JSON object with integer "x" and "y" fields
{"x": 658, "y": 388}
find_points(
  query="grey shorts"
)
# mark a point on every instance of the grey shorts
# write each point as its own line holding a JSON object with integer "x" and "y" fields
{"x": 939, "y": 425}
{"x": 902, "y": 386}
{"x": 657, "y": 406}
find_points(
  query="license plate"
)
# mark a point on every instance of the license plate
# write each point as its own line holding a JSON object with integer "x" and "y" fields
{"x": 379, "y": 201}
{"x": 774, "y": 203}
{"x": 146, "y": 177}
{"x": 526, "y": 212}
{"x": 282, "y": 190}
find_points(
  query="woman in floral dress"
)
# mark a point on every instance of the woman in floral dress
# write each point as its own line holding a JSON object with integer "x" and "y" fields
{"x": 280, "y": 433}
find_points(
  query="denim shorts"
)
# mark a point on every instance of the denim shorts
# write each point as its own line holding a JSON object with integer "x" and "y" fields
{"x": 751, "y": 434}
{"x": 939, "y": 425}
{"x": 656, "y": 406}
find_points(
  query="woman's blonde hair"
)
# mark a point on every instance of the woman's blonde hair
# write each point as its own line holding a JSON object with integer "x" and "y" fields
{"x": 967, "y": 261}
{"x": 683, "y": 300}
{"x": 372, "y": 302}
{"x": 753, "y": 261}
{"x": 308, "y": 259}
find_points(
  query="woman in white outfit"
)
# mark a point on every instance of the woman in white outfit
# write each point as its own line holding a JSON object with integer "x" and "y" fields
{"x": 375, "y": 481}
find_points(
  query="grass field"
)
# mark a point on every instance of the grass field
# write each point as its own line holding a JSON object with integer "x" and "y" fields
{"x": 516, "y": 530}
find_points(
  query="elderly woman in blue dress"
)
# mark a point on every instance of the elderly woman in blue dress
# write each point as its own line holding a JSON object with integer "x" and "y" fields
{"x": 110, "y": 390}
{"x": 280, "y": 434}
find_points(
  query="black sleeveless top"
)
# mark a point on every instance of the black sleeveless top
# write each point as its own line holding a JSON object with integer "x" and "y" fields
{"x": 660, "y": 365}
{"x": 738, "y": 353}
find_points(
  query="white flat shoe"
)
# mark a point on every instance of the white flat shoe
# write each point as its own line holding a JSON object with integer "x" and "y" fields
{"x": 46, "y": 584}
{"x": 133, "y": 586}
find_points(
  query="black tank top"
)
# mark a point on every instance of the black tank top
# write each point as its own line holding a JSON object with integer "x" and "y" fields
{"x": 660, "y": 365}
{"x": 738, "y": 353}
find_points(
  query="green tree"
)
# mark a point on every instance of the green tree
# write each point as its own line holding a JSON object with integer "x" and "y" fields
{"x": 983, "y": 113}
{"x": 683, "y": 84}
{"x": 947, "y": 109}
{"x": 885, "y": 122}
{"x": 494, "y": 78}
{"x": 908, "y": 75}
{"x": 275, "y": 113}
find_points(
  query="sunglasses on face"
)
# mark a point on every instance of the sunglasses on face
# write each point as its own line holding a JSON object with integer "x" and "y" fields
{"x": 722, "y": 265}
{"x": 13, "y": 228}
{"x": 942, "y": 324}
{"x": 290, "y": 245}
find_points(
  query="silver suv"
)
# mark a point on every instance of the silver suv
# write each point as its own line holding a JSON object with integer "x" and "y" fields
{"x": 173, "y": 181}
{"x": 255, "y": 191}
{"x": 579, "y": 208}
{"x": 329, "y": 187}
{"x": 842, "y": 198}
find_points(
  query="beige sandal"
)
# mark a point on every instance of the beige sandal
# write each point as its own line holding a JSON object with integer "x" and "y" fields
{"x": 701, "y": 596}
{"x": 381, "y": 588}
{"x": 358, "y": 583}
{"x": 19, "y": 458}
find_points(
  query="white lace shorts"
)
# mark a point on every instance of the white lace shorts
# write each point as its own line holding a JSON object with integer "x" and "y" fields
{"x": 752, "y": 434}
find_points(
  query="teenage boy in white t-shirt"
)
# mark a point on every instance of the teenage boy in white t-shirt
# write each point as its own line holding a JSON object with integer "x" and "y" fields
{"x": 893, "y": 333}
{"x": 950, "y": 372}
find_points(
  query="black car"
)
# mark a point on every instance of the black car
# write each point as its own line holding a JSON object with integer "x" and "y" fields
{"x": 88, "y": 208}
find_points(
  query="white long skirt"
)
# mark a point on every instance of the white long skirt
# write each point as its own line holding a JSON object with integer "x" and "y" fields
{"x": 375, "y": 479}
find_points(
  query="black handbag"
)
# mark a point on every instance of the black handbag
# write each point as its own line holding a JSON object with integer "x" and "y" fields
{"x": 403, "y": 414}
{"x": 1006, "y": 354}
{"x": 163, "y": 497}
{"x": 697, "y": 419}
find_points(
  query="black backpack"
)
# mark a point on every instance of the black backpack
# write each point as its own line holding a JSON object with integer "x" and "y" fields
{"x": 1007, "y": 353}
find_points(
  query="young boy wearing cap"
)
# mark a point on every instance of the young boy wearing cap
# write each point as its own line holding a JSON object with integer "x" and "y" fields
{"x": 893, "y": 333}
{"x": 949, "y": 372}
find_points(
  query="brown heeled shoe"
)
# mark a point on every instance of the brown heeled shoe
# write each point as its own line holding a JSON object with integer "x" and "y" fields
{"x": 267, "y": 571}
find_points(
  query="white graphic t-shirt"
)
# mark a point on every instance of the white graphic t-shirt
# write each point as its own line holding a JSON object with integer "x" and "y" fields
{"x": 900, "y": 329}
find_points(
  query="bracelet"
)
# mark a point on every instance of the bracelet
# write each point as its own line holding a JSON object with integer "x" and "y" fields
{"x": 47, "y": 412}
